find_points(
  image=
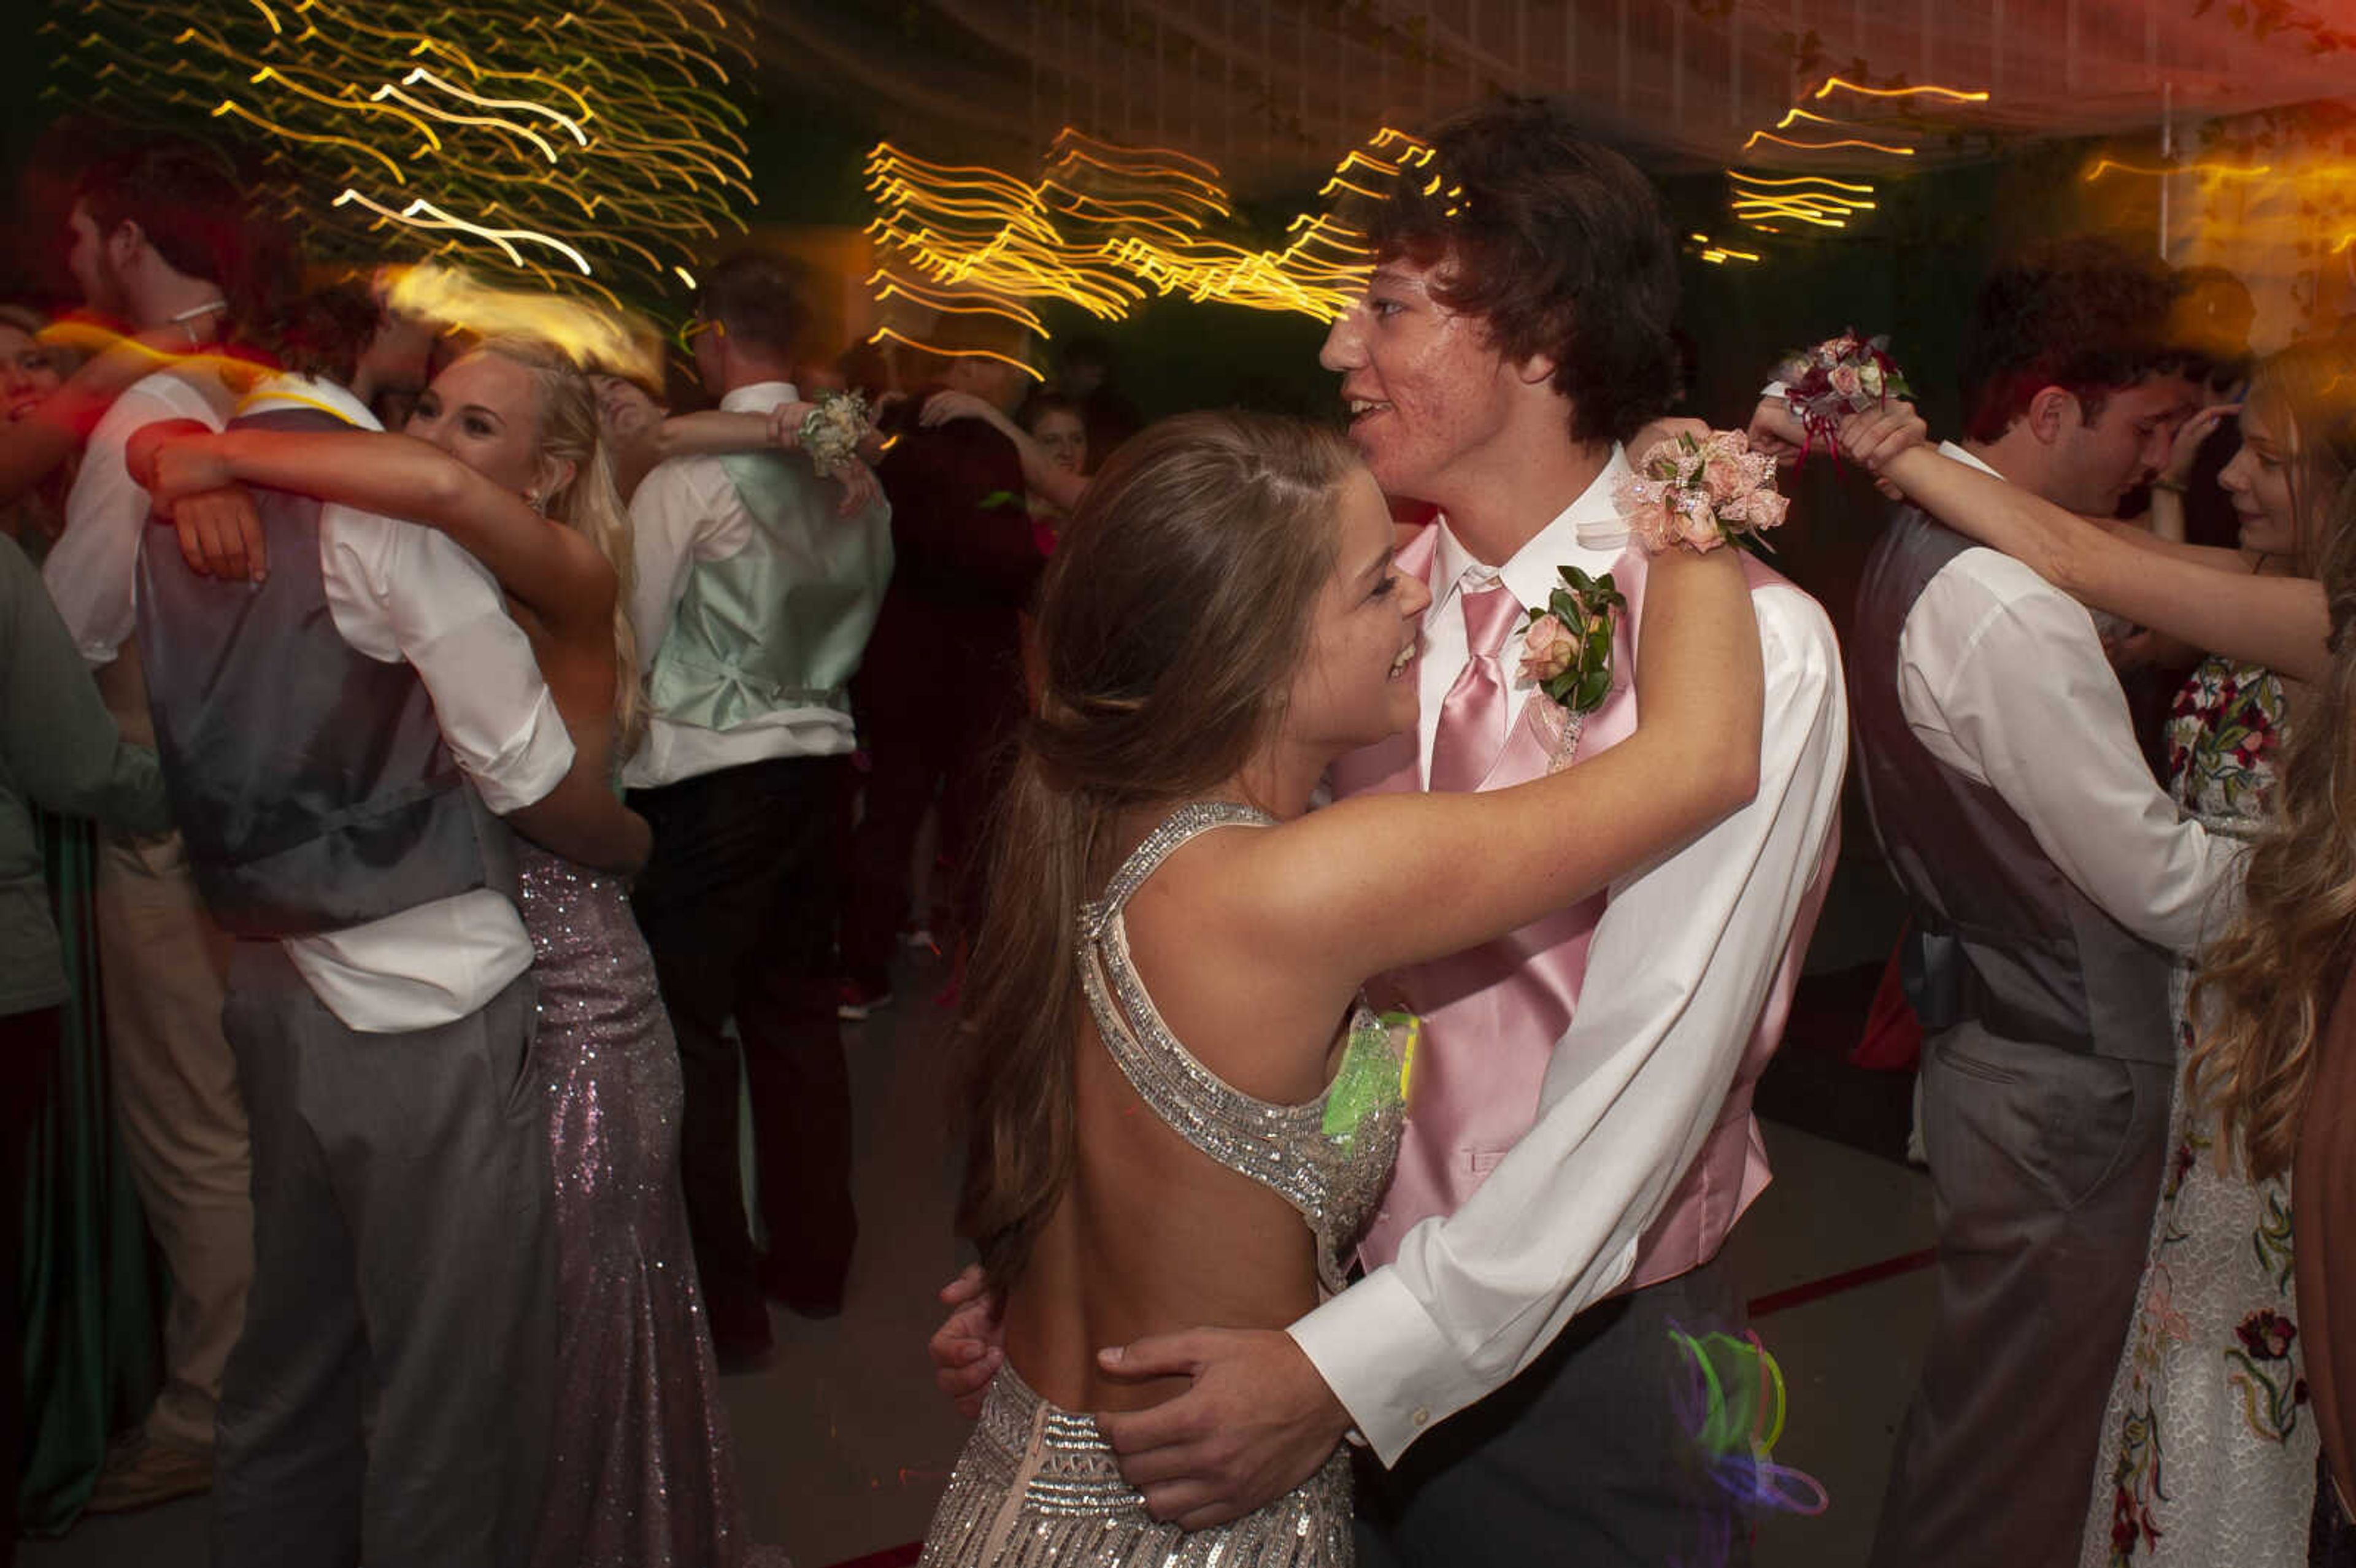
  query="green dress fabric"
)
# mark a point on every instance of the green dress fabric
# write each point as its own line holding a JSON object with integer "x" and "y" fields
{"x": 87, "y": 1288}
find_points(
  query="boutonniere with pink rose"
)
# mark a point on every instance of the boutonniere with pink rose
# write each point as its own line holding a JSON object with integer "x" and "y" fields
{"x": 1838, "y": 378}
{"x": 1567, "y": 650}
{"x": 1700, "y": 493}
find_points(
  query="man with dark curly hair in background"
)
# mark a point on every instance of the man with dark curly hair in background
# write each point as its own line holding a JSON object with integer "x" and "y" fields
{"x": 2051, "y": 879}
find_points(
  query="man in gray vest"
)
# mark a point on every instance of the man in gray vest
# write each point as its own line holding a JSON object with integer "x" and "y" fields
{"x": 754, "y": 601}
{"x": 336, "y": 741}
{"x": 2052, "y": 881}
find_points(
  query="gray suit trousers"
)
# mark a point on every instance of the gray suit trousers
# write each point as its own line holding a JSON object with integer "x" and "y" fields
{"x": 2045, "y": 1169}
{"x": 390, "y": 1398}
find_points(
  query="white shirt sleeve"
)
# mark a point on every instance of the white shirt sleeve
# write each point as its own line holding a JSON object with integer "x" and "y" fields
{"x": 399, "y": 592}
{"x": 685, "y": 510}
{"x": 92, "y": 571}
{"x": 1678, "y": 972}
{"x": 2003, "y": 679}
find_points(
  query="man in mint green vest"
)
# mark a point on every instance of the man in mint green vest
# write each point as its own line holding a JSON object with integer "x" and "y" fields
{"x": 754, "y": 601}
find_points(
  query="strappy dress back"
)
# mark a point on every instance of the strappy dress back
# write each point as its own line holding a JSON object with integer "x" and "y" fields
{"x": 1330, "y": 1157}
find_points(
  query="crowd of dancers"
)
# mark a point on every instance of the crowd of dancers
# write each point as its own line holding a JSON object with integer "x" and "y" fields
{"x": 1384, "y": 859}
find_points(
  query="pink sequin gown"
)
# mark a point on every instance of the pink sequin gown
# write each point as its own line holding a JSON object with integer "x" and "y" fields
{"x": 638, "y": 1474}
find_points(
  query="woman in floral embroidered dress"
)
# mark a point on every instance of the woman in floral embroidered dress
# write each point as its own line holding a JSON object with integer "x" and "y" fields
{"x": 2208, "y": 1453}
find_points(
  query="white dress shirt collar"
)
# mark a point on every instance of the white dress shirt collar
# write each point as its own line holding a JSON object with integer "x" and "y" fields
{"x": 1589, "y": 534}
{"x": 758, "y": 398}
{"x": 280, "y": 393}
{"x": 1971, "y": 459}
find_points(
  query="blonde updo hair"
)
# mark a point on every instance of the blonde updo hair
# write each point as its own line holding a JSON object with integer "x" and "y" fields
{"x": 588, "y": 503}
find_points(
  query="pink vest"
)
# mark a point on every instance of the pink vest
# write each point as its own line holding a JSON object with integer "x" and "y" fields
{"x": 1493, "y": 1017}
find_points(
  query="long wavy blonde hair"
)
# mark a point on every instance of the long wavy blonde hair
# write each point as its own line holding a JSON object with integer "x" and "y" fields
{"x": 2267, "y": 984}
{"x": 589, "y": 504}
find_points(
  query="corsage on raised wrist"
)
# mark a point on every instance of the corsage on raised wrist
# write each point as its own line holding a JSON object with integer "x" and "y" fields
{"x": 1700, "y": 494}
{"x": 831, "y": 433}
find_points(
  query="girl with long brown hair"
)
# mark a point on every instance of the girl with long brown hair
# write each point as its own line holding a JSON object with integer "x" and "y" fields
{"x": 1179, "y": 1109}
{"x": 2211, "y": 1375}
{"x": 504, "y": 453}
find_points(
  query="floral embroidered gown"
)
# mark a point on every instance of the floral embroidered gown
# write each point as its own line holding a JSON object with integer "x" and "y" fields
{"x": 2209, "y": 1450}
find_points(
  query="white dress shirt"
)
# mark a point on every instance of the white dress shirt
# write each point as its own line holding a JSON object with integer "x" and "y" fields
{"x": 2002, "y": 677}
{"x": 90, "y": 570}
{"x": 1678, "y": 971}
{"x": 687, "y": 510}
{"x": 401, "y": 593}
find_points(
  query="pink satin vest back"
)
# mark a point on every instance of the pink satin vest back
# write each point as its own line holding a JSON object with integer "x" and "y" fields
{"x": 1493, "y": 1017}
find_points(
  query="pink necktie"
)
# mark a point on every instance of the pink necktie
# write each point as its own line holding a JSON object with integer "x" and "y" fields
{"x": 1471, "y": 729}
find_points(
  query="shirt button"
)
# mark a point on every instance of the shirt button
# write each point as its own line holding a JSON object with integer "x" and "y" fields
{"x": 1422, "y": 1417}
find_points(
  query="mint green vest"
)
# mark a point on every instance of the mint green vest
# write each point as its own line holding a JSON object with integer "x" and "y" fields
{"x": 781, "y": 624}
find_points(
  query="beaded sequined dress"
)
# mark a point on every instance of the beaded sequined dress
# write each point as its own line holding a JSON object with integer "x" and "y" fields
{"x": 2208, "y": 1453}
{"x": 1037, "y": 1485}
{"x": 638, "y": 1469}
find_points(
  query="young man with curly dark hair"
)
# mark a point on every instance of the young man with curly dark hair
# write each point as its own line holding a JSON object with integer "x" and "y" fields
{"x": 1579, "y": 1140}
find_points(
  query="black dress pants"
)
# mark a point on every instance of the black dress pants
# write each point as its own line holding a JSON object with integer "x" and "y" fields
{"x": 738, "y": 905}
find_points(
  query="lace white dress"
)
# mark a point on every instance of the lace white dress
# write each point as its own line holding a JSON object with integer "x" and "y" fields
{"x": 2208, "y": 1448}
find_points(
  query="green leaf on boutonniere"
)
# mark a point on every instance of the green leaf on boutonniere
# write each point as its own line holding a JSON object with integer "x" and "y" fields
{"x": 998, "y": 499}
{"x": 1588, "y": 607}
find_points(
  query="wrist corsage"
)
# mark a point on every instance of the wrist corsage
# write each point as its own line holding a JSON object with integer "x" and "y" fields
{"x": 1567, "y": 651}
{"x": 832, "y": 432}
{"x": 1840, "y": 377}
{"x": 1700, "y": 494}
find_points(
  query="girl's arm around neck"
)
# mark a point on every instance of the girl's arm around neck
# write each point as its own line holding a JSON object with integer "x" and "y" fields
{"x": 2279, "y": 622}
{"x": 548, "y": 568}
{"x": 1380, "y": 881}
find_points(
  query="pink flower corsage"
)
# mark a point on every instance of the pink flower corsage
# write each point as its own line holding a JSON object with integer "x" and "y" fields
{"x": 1700, "y": 494}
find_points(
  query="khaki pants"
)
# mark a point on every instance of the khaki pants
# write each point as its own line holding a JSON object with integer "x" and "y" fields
{"x": 182, "y": 1121}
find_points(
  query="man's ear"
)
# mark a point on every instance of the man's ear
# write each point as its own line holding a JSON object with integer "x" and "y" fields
{"x": 124, "y": 243}
{"x": 2051, "y": 411}
{"x": 1537, "y": 370}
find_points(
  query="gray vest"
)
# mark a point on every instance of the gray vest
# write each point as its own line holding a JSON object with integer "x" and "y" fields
{"x": 310, "y": 780}
{"x": 2007, "y": 940}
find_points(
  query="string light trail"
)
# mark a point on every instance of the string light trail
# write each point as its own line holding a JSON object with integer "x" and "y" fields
{"x": 1764, "y": 203}
{"x": 591, "y": 148}
{"x": 1106, "y": 226}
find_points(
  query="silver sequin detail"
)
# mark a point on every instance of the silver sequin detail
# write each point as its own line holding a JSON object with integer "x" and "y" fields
{"x": 1037, "y": 1485}
{"x": 1334, "y": 1181}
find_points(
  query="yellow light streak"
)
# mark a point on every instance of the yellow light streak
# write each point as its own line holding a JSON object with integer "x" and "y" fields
{"x": 2223, "y": 171}
{"x": 608, "y": 134}
{"x": 590, "y": 334}
{"x": 424, "y": 214}
{"x": 1796, "y": 114}
{"x": 882, "y": 333}
{"x": 1105, "y": 226}
{"x": 1801, "y": 179}
{"x": 1759, "y": 136}
{"x": 230, "y": 106}
{"x": 1952, "y": 95}
{"x": 421, "y": 75}
{"x": 451, "y": 117}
